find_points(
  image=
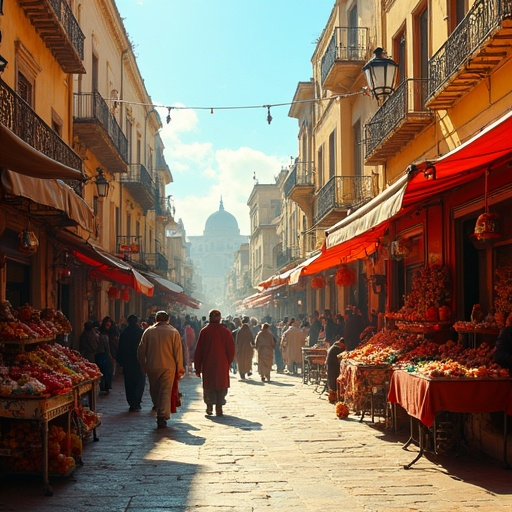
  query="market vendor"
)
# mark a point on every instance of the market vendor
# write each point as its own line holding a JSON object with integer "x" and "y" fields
{"x": 332, "y": 363}
{"x": 503, "y": 350}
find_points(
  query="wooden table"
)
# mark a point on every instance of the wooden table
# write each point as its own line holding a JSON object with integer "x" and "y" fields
{"x": 424, "y": 398}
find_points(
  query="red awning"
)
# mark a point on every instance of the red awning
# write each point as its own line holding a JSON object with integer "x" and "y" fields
{"x": 257, "y": 300}
{"x": 22, "y": 158}
{"x": 111, "y": 268}
{"x": 357, "y": 235}
{"x": 493, "y": 145}
{"x": 173, "y": 291}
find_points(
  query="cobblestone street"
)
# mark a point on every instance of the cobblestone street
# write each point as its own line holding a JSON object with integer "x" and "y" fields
{"x": 278, "y": 446}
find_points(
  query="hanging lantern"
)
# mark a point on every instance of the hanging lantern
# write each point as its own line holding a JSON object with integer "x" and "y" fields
{"x": 125, "y": 294}
{"x": 399, "y": 249}
{"x": 345, "y": 276}
{"x": 114, "y": 293}
{"x": 28, "y": 242}
{"x": 486, "y": 227}
{"x": 318, "y": 282}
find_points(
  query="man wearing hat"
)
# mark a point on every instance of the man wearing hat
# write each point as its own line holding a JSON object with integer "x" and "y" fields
{"x": 213, "y": 356}
{"x": 134, "y": 378}
{"x": 160, "y": 355}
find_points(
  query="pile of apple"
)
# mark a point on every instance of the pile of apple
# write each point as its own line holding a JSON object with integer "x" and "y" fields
{"x": 28, "y": 323}
{"x": 47, "y": 370}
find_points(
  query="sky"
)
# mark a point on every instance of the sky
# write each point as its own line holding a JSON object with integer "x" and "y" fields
{"x": 204, "y": 54}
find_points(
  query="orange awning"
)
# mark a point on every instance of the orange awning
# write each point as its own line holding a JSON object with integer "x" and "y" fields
{"x": 174, "y": 291}
{"x": 22, "y": 158}
{"x": 109, "y": 267}
{"x": 50, "y": 193}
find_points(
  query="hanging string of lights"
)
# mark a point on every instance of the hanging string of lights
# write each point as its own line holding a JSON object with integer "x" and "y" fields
{"x": 363, "y": 91}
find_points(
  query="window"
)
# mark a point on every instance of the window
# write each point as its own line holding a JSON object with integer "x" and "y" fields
{"x": 399, "y": 54}
{"x": 421, "y": 51}
{"x": 332, "y": 154}
{"x": 27, "y": 70}
{"x": 358, "y": 149}
{"x": 456, "y": 11}
{"x": 321, "y": 166}
{"x": 57, "y": 123}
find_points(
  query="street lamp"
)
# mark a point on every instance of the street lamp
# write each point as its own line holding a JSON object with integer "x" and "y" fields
{"x": 102, "y": 184}
{"x": 380, "y": 74}
{"x": 3, "y": 64}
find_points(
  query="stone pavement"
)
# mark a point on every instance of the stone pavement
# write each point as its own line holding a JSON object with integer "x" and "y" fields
{"x": 279, "y": 446}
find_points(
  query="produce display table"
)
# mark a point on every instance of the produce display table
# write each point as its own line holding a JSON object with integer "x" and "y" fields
{"x": 43, "y": 410}
{"x": 363, "y": 387}
{"x": 424, "y": 398}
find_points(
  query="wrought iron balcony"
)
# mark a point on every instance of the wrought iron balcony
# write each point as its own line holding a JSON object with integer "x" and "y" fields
{"x": 140, "y": 184}
{"x": 289, "y": 255}
{"x": 164, "y": 207}
{"x": 338, "y": 195}
{"x": 397, "y": 122}
{"x": 18, "y": 116}
{"x": 344, "y": 58}
{"x": 157, "y": 261}
{"x": 97, "y": 128}
{"x": 55, "y": 23}
{"x": 480, "y": 42}
{"x": 300, "y": 185}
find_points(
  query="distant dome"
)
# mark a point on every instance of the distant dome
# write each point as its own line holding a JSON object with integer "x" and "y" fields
{"x": 221, "y": 223}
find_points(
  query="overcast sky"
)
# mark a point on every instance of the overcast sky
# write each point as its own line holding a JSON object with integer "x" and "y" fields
{"x": 204, "y": 54}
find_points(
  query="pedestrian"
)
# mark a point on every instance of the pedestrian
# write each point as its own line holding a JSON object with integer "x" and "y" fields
{"x": 292, "y": 342}
{"x": 88, "y": 342}
{"x": 265, "y": 344}
{"x": 332, "y": 364}
{"x": 160, "y": 355}
{"x": 315, "y": 328}
{"x": 214, "y": 353}
{"x": 237, "y": 322}
{"x": 134, "y": 378}
{"x": 329, "y": 327}
{"x": 354, "y": 326}
{"x": 244, "y": 348}
{"x": 103, "y": 358}
{"x": 503, "y": 351}
{"x": 189, "y": 345}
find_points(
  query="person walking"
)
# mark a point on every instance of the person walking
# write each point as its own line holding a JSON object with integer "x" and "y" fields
{"x": 215, "y": 351}
{"x": 103, "y": 358}
{"x": 265, "y": 344}
{"x": 160, "y": 354}
{"x": 292, "y": 342}
{"x": 315, "y": 328}
{"x": 244, "y": 349}
{"x": 134, "y": 378}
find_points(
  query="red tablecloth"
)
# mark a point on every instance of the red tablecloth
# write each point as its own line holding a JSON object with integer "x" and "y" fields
{"x": 423, "y": 398}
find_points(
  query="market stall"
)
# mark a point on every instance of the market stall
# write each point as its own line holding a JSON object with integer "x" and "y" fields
{"x": 47, "y": 395}
{"x": 313, "y": 365}
{"x": 424, "y": 397}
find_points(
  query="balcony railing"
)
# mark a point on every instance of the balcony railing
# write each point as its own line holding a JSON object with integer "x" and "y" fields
{"x": 164, "y": 207}
{"x": 140, "y": 184}
{"x": 289, "y": 255}
{"x": 341, "y": 193}
{"x": 55, "y": 23}
{"x": 343, "y": 58}
{"x": 157, "y": 260}
{"x": 301, "y": 175}
{"x": 18, "y": 116}
{"x": 98, "y": 128}
{"x": 400, "y": 118}
{"x": 475, "y": 46}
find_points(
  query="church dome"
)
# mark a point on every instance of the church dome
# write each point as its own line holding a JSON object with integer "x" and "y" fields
{"x": 221, "y": 223}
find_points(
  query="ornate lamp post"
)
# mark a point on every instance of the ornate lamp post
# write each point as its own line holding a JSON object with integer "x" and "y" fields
{"x": 380, "y": 74}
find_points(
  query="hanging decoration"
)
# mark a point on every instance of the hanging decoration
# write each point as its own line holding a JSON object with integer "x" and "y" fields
{"x": 211, "y": 109}
{"x": 318, "y": 282}
{"x": 125, "y": 294}
{"x": 345, "y": 276}
{"x": 114, "y": 293}
{"x": 486, "y": 227}
{"x": 29, "y": 243}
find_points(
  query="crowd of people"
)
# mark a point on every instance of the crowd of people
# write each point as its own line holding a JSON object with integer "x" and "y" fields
{"x": 164, "y": 348}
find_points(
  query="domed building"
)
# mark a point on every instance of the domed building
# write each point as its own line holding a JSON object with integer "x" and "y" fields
{"x": 213, "y": 255}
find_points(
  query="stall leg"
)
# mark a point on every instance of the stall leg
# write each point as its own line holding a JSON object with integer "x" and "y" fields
{"x": 48, "y": 491}
{"x": 421, "y": 435}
